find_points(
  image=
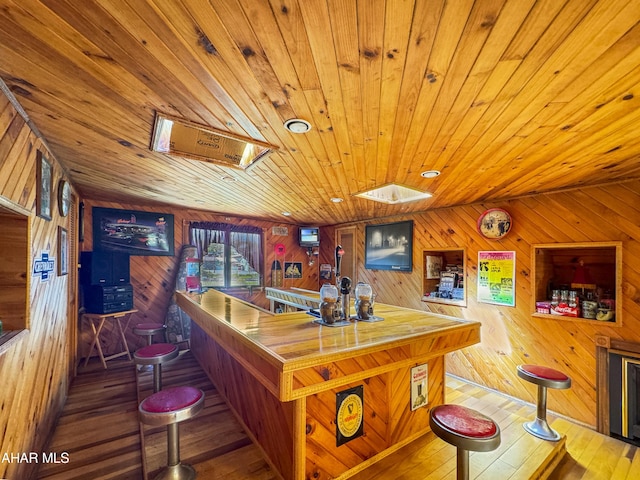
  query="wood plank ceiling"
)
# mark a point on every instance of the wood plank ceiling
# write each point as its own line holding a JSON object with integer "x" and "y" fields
{"x": 504, "y": 97}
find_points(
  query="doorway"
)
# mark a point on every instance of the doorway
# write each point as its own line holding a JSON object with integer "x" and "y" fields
{"x": 346, "y": 237}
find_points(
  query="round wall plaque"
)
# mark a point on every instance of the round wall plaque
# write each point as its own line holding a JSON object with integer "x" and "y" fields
{"x": 495, "y": 223}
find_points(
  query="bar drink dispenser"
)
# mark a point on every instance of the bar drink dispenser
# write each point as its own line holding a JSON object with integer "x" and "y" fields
{"x": 345, "y": 290}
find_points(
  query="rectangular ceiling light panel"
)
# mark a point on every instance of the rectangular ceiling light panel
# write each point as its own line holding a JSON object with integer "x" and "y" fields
{"x": 393, "y": 193}
{"x": 183, "y": 138}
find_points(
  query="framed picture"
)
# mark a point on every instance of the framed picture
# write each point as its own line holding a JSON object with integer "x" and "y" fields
{"x": 389, "y": 246}
{"x": 63, "y": 251}
{"x": 44, "y": 180}
{"x": 497, "y": 277}
{"x": 292, "y": 269}
{"x": 433, "y": 267}
{"x": 133, "y": 232}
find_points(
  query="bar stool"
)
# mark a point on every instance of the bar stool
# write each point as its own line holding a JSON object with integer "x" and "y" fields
{"x": 149, "y": 330}
{"x": 170, "y": 407}
{"x": 544, "y": 377}
{"x": 156, "y": 354}
{"x": 466, "y": 429}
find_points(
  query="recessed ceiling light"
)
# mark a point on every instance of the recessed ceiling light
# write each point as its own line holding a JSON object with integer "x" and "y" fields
{"x": 430, "y": 173}
{"x": 286, "y": 214}
{"x": 297, "y": 125}
{"x": 228, "y": 178}
{"x": 336, "y": 199}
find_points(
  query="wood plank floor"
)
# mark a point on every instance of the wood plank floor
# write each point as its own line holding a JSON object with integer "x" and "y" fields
{"x": 100, "y": 432}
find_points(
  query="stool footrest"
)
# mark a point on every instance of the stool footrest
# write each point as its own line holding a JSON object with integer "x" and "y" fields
{"x": 541, "y": 429}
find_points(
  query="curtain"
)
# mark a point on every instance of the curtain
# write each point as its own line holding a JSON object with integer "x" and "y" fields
{"x": 247, "y": 240}
{"x": 202, "y": 237}
{"x": 248, "y": 245}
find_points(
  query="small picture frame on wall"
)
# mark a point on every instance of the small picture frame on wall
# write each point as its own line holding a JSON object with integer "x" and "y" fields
{"x": 44, "y": 186}
{"x": 292, "y": 269}
{"x": 433, "y": 267}
{"x": 63, "y": 251}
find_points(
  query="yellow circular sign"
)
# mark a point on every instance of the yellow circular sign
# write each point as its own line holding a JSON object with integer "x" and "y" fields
{"x": 350, "y": 415}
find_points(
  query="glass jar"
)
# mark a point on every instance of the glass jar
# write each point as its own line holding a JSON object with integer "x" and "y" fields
{"x": 363, "y": 300}
{"x": 328, "y": 298}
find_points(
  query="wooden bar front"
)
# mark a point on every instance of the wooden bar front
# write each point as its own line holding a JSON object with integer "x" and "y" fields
{"x": 280, "y": 375}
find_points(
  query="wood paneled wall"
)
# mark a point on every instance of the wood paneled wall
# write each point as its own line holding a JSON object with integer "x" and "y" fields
{"x": 154, "y": 277}
{"x": 510, "y": 335}
{"x": 34, "y": 368}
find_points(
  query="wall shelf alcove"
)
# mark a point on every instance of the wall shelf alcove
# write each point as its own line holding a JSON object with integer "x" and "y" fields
{"x": 555, "y": 264}
{"x": 438, "y": 260}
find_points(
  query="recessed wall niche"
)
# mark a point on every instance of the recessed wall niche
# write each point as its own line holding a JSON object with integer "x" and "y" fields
{"x": 444, "y": 276}
{"x": 592, "y": 270}
{"x": 15, "y": 247}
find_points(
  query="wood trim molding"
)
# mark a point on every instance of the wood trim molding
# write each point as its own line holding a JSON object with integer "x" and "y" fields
{"x": 602, "y": 385}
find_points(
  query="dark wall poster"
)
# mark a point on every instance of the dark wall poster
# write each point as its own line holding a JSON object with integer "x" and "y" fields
{"x": 349, "y": 414}
{"x": 133, "y": 232}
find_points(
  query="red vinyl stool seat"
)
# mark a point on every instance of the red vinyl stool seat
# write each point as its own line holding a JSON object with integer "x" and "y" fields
{"x": 543, "y": 377}
{"x": 156, "y": 354}
{"x": 170, "y": 407}
{"x": 149, "y": 330}
{"x": 466, "y": 429}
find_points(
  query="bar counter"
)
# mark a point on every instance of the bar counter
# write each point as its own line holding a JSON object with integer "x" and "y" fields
{"x": 282, "y": 376}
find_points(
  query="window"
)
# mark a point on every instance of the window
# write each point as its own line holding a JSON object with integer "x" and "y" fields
{"x": 231, "y": 254}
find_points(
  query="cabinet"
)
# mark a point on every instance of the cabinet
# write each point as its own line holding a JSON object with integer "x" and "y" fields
{"x": 444, "y": 276}
{"x": 593, "y": 270}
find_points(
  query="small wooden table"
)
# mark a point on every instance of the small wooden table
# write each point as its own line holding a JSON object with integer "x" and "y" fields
{"x": 96, "y": 320}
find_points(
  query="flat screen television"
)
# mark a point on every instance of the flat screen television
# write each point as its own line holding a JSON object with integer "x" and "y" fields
{"x": 389, "y": 246}
{"x": 309, "y": 236}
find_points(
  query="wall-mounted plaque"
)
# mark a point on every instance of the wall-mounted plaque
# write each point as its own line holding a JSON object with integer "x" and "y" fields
{"x": 419, "y": 386}
{"x": 182, "y": 138}
{"x": 349, "y": 414}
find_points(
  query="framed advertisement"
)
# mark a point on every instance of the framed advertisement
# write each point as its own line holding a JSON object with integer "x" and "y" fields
{"x": 133, "y": 232}
{"x": 497, "y": 278}
{"x": 63, "y": 251}
{"x": 44, "y": 185}
{"x": 349, "y": 414}
{"x": 419, "y": 386}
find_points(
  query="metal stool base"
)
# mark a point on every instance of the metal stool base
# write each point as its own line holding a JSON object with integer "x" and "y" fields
{"x": 541, "y": 429}
{"x": 181, "y": 471}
